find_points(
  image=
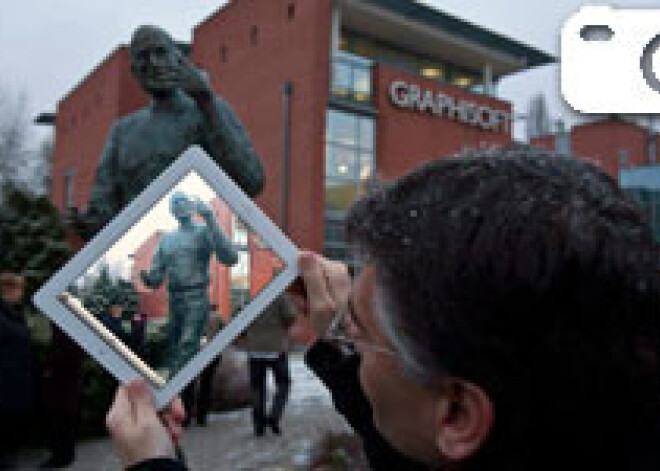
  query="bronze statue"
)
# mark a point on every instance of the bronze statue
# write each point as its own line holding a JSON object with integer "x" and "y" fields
{"x": 183, "y": 257}
{"x": 184, "y": 111}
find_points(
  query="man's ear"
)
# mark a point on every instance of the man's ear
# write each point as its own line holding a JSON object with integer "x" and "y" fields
{"x": 464, "y": 419}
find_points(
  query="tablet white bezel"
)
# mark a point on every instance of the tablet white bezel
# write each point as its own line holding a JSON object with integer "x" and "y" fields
{"x": 192, "y": 160}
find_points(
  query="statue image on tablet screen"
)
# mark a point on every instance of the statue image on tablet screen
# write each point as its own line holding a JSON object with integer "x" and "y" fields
{"x": 183, "y": 257}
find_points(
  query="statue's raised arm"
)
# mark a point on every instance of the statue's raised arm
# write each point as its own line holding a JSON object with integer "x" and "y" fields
{"x": 224, "y": 250}
{"x": 183, "y": 112}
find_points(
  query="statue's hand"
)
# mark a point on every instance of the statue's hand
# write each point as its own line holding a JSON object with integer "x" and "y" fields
{"x": 203, "y": 209}
{"x": 193, "y": 81}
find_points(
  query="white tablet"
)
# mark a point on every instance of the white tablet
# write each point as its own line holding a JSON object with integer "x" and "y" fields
{"x": 258, "y": 265}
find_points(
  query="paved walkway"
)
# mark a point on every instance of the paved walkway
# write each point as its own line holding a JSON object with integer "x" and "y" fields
{"x": 227, "y": 442}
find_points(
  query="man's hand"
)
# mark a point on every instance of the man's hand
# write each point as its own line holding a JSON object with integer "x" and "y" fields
{"x": 327, "y": 286}
{"x": 137, "y": 431}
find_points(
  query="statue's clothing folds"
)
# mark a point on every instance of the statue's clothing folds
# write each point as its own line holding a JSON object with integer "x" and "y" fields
{"x": 142, "y": 145}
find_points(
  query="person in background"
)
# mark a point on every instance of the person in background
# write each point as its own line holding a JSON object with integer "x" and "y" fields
{"x": 137, "y": 340}
{"x": 113, "y": 319}
{"x": 16, "y": 366}
{"x": 267, "y": 343}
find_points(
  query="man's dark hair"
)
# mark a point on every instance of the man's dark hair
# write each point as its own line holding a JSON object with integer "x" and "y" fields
{"x": 533, "y": 276}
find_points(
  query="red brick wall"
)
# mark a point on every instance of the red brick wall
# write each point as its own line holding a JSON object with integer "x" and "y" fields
{"x": 84, "y": 117}
{"x": 601, "y": 141}
{"x": 406, "y": 137}
{"x": 546, "y": 142}
{"x": 252, "y": 80}
{"x": 263, "y": 263}
{"x": 151, "y": 303}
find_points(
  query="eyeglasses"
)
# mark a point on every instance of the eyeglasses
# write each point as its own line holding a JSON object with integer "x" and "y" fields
{"x": 346, "y": 331}
{"x": 343, "y": 323}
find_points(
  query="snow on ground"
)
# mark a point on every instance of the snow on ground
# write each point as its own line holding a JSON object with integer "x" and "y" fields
{"x": 227, "y": 442}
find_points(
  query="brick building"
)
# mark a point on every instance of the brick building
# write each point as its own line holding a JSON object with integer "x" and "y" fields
{"x": 615, "y": 143}
{"x": 333, "y": 92}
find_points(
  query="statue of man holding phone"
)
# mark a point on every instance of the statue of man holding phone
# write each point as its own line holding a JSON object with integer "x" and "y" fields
{"x": 183, "y": 257}
{"x": 183, "y": 112}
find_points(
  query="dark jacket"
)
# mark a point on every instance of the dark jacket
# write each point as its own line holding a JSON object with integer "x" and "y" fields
{"x": 159, "y": 464}
{"x": 16, "y": 365}
{"x": 116, "y": 326}
{"x": 269, "y": 331}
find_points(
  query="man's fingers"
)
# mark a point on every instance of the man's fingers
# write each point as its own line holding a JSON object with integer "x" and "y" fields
{"x": 318, "y": 296}
{"x": 120, "y": 412}
{"x": 142, "y": 400}
{"x": 339, "y": 280}
{"x": 172, "y": 417}
{"x": 177, "y": 409}
{"x": 173, "y": 426}
{"x": 299, "y": 303}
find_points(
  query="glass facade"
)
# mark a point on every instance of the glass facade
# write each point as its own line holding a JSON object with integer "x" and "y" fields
{"x": 240, "y": 273}
{"x": 349, "y": 165}
{"x": 352, "y": 78}
{"x": 649, "y": 201}
{"x": 416, "y": 64}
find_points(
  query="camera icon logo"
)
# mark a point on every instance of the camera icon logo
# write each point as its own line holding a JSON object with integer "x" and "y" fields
{"x": 610, "y": 60}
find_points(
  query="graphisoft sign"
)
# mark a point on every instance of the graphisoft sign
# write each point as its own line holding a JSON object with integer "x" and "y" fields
{"x": 405, "y": 95}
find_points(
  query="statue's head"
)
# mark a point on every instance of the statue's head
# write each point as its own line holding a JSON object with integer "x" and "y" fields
{"x": 181, "y": 206}
{"x": 155, "y": 60}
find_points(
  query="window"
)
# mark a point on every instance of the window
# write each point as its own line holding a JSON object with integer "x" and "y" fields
{"x": 349, "y": 163}
{"x": 462, "y": 80}
{"x": 290, "y": 11}
{"x": 240, "y": 272}
{"x": 240, "y": 233}
{"x": 254, "y": 36}
{"x": 223, "y": 54}
{"x": 240, "y": 297}
{"x": 358, "y": 46}
{"x": 352, "y": 78}
{"x": 348, "y": 158}
{"x": 432, "y": 71}
{"x": 649, "y": 202}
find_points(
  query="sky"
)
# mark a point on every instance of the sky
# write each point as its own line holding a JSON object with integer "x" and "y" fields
{"x": 49, "y": 46}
